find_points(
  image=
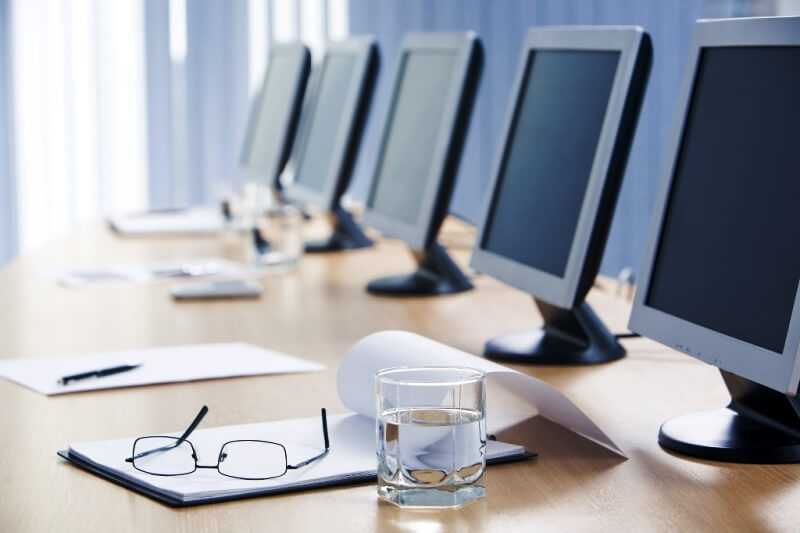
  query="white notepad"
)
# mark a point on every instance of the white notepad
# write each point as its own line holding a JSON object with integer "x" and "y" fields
{"x": 158, "y": 365}
{"x": 351, "y": 459}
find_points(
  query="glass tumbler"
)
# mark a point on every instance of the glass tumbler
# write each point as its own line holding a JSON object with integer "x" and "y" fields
{"x": 277, "y": 237}
{"x": 431, "y": 435}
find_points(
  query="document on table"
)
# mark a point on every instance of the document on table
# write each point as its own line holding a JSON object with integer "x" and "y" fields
{"x": 352, "y": 436}
{"x": 148, "y": 272}
{"x": 199, "y": 220}
{"x": 524, "y": 396}
{"x": 351, "y": 460}
{"x": 352, "y": 441}
{"x": 158, "y": 365}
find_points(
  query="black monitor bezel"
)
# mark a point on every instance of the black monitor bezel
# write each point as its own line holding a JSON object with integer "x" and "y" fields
{"x": 583, "y": 262}
{"x": 348, "y": 134}
{"x": 288, "y": 124}
{"x": 778, "y": 371}
{"x": 421, "y": 234}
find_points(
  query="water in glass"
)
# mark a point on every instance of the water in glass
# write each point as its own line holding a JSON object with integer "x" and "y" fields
{"x": 431, "y": 457}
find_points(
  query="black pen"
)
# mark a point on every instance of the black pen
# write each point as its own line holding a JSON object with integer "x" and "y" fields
{"x": 99, "y": 373}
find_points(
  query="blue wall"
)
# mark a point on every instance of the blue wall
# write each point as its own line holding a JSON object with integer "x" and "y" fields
{"x": 502, "y": 24}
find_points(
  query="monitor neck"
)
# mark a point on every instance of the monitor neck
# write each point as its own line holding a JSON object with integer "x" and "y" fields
{"x": 436, "y": 273}
{"x": 347, "y": 235}
{"x": 569, "y": 336}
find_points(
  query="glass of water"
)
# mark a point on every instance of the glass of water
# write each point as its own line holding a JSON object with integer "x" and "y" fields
{"x": 431, "y": 435}
{"x": 277, "y": 237}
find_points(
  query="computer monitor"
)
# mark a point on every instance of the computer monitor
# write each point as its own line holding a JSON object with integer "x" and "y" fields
{"x": 722, "y": 264}
{"x": 557, "y": 171}
{"x": 274, "y": 113}
{"x": 434, "y": 89}
{"x": 332, "y": 121}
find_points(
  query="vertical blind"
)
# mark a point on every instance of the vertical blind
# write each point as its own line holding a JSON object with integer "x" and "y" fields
{"x": 8, "y": 214}
{"x": 120, "y": 105}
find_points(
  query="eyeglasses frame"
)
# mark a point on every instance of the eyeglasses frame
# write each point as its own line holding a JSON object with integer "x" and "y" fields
{"x": 221, "y": 455}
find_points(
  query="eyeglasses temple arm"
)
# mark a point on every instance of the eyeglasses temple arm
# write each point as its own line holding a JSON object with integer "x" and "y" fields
{"x": 181, "y": 439}
{"x": 193, "y": 425}
{"x": 327, "y": 444}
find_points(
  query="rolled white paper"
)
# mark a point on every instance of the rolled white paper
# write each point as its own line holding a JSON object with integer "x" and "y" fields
{"x": 386, "y": 349}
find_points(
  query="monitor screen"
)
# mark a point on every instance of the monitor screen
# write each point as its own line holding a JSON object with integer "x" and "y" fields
{"x": 728, "y": 256}
{"x": 413, "y": 129}
{"x": 314, "y": 162}
{"x": 267, "y": 137}
{"x": 549, "y": 156}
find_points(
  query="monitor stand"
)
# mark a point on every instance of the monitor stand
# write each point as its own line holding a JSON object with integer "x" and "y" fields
{"x": 568, "y": 337}
{"x": 436, "y": 274}
{"x": 759, "y": 426}
{"x": 347, "y": 235}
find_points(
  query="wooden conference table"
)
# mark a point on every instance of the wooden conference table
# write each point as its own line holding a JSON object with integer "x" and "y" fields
{"x": 316, "y": 313}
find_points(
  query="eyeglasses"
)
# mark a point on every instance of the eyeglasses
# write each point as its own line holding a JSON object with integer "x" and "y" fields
{"x": 240, "y": 459}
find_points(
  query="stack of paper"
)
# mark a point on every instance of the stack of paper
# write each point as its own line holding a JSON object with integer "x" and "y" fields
{"x": 201, "y": 220}
{"x": 149, "y": 272}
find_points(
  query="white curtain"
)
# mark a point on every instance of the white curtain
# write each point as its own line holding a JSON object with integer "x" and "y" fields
{"x": 77, "y": 76}
{"x": 118, "y": 105}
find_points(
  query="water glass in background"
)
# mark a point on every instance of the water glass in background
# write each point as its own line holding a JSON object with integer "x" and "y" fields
{"x": 240, "y": 203}
{"x": 431, "y": 435}
{"x": 277, "y": 237}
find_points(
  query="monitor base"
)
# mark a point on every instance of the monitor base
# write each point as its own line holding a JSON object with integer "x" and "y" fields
{"x": 569, "y": 337}
{"x": 436, "y": 274}
{"x": 760, "y": 426}
{"x": 347, "y": 235}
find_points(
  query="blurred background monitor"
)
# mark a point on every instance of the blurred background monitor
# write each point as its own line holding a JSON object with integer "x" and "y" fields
{"x": 722, "y": 266}
{"x": 433, "y": 93}
{"x": 559, "y": 165}
{"x": 274, "y": 114}
{"x": 331, "y": 124}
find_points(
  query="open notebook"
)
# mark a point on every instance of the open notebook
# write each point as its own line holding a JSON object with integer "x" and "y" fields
{"x": 352, "y": 436}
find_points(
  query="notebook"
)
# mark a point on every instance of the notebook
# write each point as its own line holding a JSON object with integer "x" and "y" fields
{"x": 351, "y": 460}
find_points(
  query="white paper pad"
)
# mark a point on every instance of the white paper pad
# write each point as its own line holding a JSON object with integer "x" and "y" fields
{"x": 400, "y": 348}
{"x": 170, "y": 270}
{"x": 159, "y": 365}
{"x": 199, "y": 220}
{"x": 351, "y": 456}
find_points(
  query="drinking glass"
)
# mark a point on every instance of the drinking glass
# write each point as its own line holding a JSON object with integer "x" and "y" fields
{"x": 277, "y": 237}
{"x": 431, "y": 435}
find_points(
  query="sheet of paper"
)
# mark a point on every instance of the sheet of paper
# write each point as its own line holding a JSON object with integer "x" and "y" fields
{"x": 355, "y": 381}
{"x": 170, "y": 270}
{"x": 352, "y": 453}
{"x": 199, "y": 220}
{"x": 158, "y": 365}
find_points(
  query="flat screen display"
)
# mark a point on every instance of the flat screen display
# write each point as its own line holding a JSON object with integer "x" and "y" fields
{"x": 325, "y": 123}
{"x": 414, "y": 125}
{"x": 266, "y": 139}
{"x": 728, "y": 257}
{"x": 548, "y": 158}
